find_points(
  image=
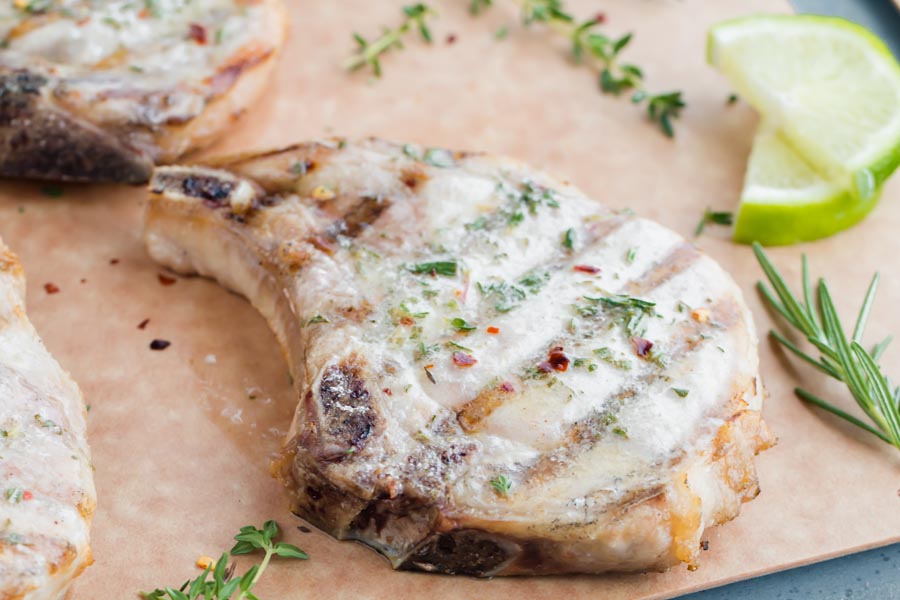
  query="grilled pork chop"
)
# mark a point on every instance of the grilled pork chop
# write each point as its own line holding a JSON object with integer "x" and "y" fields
{"x": 47, "y": 493}
{"x": 101, "y": 90}
{"x": 496, "y": 375}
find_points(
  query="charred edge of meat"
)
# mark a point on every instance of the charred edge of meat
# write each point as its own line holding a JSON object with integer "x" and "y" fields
{"x": 39, "y": 141}
{"x": 347, "y": 417}
{"x": 463, "y": 552}
{"x": 213, "y": 191}
{"x": 321, "y": 502}
{"x": 361, "y": 216}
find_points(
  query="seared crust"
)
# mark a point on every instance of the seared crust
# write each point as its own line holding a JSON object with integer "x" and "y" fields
{"x": 112, "y": 120}
{"x": 395, "y": 442}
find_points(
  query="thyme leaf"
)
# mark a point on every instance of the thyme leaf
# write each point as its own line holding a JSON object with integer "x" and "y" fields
{"x": 224, "y": 583}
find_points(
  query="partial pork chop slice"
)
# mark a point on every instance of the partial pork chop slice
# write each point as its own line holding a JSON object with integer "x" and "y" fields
{"x": 47, "y": 493}
{"x": 101, "y": 90}
{"x": 496, "y": 375}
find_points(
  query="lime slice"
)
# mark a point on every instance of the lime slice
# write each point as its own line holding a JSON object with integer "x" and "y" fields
{"x": 830, "y": 86}
{"x": 785, "y": 200}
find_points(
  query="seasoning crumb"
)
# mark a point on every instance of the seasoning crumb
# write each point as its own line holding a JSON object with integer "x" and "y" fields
{"x": 428, "y": 373}
{"x": 642, "y": 347}
{"x": 166, "y": 280}
{"x": 704, "y": 545}
{"x": 160, "y": 344}
{"x": 51, "y": 288}
{"x": 114, "y": 261}
{"x": 451, "y": 39}
{"x": 205, "y": 562}
{"x": 304, "y": 529}
{"x": 587, "y": 269}
{"x": 143, "y": 324}
{"x": 210, "y": 359}
{"x": 83, "y": 280}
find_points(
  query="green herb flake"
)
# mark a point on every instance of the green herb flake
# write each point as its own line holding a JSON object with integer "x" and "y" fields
{"x": 14, "y": 495}
{"x": 460, "y": 324}
{"x": 317, "y": 319}
{"x": 446, "y": 268}
{"x": 502, "y": 485}
{"x": 569, "y": 239}
{"x": 681, "y": 392}
{"x": 716, "y": 217}
{"x": 52, "y": 191}
{"x": 439, "y": 157}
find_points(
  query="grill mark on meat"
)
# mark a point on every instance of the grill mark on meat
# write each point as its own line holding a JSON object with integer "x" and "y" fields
{"x": 225, "y": 77}
{"x": 347, "y": 417}
{"x": 362, "y": 215}
{"x": 585, "y": 433}
{"x": 472, "y": 414}
{"x": 678, "y": 261}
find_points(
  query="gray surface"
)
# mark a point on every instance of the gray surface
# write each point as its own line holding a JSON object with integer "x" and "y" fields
{"x": 872, "y": 575}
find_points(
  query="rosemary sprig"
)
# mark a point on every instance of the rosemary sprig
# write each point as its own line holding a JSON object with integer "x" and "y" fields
{"x": 369, "y": 52}
{"x": 842, "y": 358}
{"x": 224, "y": 584}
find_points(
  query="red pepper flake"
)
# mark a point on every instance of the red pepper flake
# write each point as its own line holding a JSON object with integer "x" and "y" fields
{"x": 197, "y": 33}
{"x": 26, "y": 495}
{"x": 451, "y": 39}
{"x": 493, "y": 330}
{"x": 587, "y": 269}
{"x": 507, "y": 387}
{"x": 160, "y": 344}
{"x": 407, "y": 320}
{"x": 166, "y": 280}
{"x": 600, "y": 19}
{"x": 558, "y": 360}
{"x": 430, "y": 376}
{"x": 83, "y": 280}
{"x": 143, "y": 324}
{"x": 114, "y": 261}
{"x": 50, "y": 288}
{"x": 642, "y": 347}
{"x": 388, "y": 391}
{"x": 462, "y": 359}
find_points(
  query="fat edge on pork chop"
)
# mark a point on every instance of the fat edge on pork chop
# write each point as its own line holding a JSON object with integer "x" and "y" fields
{"x": 496, "y": 375}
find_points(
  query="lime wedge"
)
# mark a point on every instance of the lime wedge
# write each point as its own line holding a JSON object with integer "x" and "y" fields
{"x": 785, "y": 200}
{"x": 831, "y": 87}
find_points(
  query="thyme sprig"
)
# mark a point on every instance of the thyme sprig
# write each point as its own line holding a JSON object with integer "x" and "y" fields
{"x": 591, "y": 46}
{"x": 224, "y": 584}
{"x": 370, "y": 52}
{"x": 842, "y": 358}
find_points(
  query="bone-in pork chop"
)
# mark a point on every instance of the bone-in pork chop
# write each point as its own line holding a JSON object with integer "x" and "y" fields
{"x": 496, "y": 375}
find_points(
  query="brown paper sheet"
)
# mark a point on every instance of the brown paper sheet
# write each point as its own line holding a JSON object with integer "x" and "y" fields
{"x": 181, "y": 444}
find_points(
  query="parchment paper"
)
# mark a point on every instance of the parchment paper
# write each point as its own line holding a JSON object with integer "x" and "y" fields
{"x": 181, "y": 444}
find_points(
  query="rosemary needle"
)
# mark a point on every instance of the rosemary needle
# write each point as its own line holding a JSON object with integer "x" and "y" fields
{"x": 842, "y": 358}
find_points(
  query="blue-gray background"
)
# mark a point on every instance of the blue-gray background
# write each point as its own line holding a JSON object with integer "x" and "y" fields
{"x": 872, "y": 575}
